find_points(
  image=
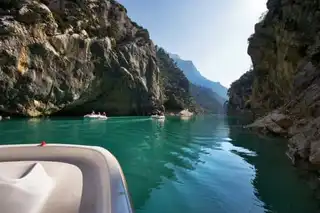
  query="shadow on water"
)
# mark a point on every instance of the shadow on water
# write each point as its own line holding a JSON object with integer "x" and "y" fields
{"x": 277, "y": 182}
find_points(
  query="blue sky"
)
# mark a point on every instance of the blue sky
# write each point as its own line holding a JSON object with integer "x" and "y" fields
{"x": 211, "y": 33}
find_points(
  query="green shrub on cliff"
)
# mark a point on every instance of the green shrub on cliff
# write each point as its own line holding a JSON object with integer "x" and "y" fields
{"x": 113, "y": 30}
{"x": 122, "y": 8}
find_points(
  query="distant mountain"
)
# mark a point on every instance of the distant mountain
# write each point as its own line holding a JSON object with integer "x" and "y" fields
{"x": 180, "y": 93}
{"x": 195, "y": 77}
{"x": 207, "y": 100}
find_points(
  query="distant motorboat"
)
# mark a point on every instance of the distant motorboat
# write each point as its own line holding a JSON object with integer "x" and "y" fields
{"x": 96, "y": 116}
{"x": 185, "y": 114}
{"x": 185, "y": 118}
{"x": 160, "y": 117}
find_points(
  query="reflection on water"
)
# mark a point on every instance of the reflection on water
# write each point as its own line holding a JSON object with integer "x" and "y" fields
{"x": 204, "y": 164}
{"x": 277, "y": 182}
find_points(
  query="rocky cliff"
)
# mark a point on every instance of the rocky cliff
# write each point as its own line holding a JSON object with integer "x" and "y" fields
{"x": 285, "y": 52}
{"x": 174, "y": 84}
{"x": 71, "y": 57}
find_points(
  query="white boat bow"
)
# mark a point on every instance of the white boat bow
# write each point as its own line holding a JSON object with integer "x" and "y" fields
{"x": 61, "y": 178}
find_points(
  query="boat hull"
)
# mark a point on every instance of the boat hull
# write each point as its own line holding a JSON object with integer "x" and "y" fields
{"x": 102, "y": 117}
{"x": 160, "y": 117}
{"x": 102, "y": 176}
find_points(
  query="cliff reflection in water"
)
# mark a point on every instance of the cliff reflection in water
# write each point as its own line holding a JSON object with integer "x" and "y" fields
{"x": 165, "y": 153}
{"x": 277, "y": 182}
{"x": 155, "y": 154}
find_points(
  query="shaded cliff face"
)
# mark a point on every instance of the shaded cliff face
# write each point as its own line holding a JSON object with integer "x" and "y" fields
{"x": 285, "y": 52}
{"x": 174, "y": 84}
{"x": 63, "y": 56}
{"x": 240, "y": 92}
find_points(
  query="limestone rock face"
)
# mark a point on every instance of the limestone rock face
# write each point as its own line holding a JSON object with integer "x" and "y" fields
{"x": 71, "y": 57}
{"x": 304, "y": 144}
{"x": 274, "y": 122}
{"x": 285, "y": 52}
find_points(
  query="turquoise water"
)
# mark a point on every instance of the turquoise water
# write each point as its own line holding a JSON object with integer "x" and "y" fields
{"x": 204, "y": 165}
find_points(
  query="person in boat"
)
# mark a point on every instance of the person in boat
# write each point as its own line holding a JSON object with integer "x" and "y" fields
{"x": 92, "y": 113}
{"x": 104, "y": 114}
{"x": 99, "y": 113}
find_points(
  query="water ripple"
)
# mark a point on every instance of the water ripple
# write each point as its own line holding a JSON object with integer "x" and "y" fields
{"x": 206, "y": 164}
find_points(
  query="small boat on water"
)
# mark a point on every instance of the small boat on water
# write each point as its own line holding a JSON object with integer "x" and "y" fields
{"x": 185, "y": 114}
{"x": 51, "y": 178}
{"x": 160, "y": 117}
{"x": 96, "y": 116}
{"x": 4, "y": 118}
